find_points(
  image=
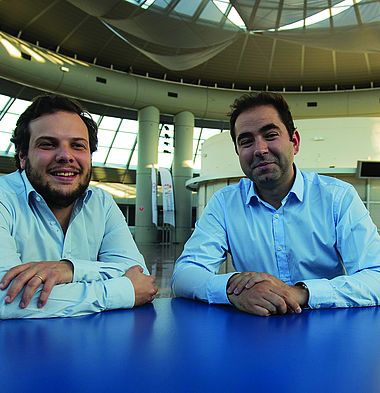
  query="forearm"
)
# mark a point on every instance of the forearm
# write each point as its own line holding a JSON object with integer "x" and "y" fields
{"x": 360, "y": 289}
{"x": 85, "y": 270}
{"x": 198, "y": 283}
{"x": 74, "y": 299}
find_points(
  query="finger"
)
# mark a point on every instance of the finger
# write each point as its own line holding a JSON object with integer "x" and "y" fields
{"x": 261, "y": 311}
{"x": 232, "y": 282}
{"x": 235, "y": 280}
{"x": 278, "y": 302}
{"x": 11, "y": 274}
{"x": 34, "y": 283}
{"x": 291, "y": 303}
{"x": 19, "y": 283}
{"x": 251, "y": 282}
{"x": 45, "y": 293}
{"x": 267, "y": 305}
{"x": 241, "y": 285}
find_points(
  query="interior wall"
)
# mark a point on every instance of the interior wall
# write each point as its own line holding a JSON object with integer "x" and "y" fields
{"x": 328, "y": 146}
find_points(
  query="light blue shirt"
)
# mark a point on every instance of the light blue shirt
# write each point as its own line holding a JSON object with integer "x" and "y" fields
{"x": 321, "y": 235}
{"x": 97, "y": 242}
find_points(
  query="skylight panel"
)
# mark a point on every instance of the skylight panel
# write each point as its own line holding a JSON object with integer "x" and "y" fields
{"x": 19, "y": 106}
{"x": 222, "y": 5}
{"x": 99, "y": 156}
{"x": 321, "y": 16}
{"x": 235, "y": 18}
{"x": 4, "y": 140}
{"x": 125, "y": 140}
{"x": 105, "y": 137}
{"x": 211, "y": 13}
{"x": 187, "y": 7}
{"x": 118, "y": 156}
{"x": 147, "y": 4}
{"x": 8, "y": 122}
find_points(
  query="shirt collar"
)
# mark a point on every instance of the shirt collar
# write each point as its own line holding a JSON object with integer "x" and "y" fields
{"x": 297, "y": 189}
{"x": 29, "y": 189}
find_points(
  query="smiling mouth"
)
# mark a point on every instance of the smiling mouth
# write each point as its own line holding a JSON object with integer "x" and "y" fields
{"x": 63, "y": 174}
{"x": 262, "y": 164}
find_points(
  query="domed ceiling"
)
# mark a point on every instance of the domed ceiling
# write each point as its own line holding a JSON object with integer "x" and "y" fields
{"x": 286, "y": 45}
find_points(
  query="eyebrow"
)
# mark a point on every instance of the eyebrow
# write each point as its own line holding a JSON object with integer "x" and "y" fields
{"x": 266, "y": 127}
{"x": 52, "y": 138}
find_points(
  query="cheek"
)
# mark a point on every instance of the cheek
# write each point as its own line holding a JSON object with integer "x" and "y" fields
{"x": 84, "y": 160}
{"x": 245, "y": 157}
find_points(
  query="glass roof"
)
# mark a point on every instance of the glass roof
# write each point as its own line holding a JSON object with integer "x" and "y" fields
{"x": 117, "y": 138}
{"x": 260, "y": 16}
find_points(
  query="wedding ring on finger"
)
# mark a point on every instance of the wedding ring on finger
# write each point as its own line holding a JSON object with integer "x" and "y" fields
{"x": 38, "y": 276}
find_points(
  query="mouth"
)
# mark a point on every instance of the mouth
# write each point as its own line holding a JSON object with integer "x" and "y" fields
{"x": 263, "y": 164}
{"x": 64, "y": 174}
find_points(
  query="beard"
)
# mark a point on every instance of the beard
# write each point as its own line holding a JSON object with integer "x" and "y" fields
{"x": 55, "y": 198}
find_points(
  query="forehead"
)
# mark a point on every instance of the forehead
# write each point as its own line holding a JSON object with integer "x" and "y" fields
{"x": 257, "y": 117}
{"x": 60, "y": 125}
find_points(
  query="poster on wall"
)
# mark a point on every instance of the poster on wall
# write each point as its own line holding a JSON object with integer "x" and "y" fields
{"x": 154, "y": 195}
{"x": 167, "y": 196}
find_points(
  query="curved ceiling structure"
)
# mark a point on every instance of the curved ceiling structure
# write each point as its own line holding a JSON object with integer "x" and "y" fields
{"x": 286, "y": 45}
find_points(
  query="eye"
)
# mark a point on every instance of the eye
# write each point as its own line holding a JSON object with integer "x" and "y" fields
{"x": 271, "y": 135}
{"x": 245, "y": 142}
{"x": 46, "y": 145}
{"x": 79, "y": 146}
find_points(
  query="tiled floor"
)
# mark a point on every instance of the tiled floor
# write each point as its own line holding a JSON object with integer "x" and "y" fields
{"x": 160, "y": 259}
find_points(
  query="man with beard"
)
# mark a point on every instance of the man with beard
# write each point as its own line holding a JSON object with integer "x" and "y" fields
{"x": 296, "y": 239}
{"x": 66, "y": 249}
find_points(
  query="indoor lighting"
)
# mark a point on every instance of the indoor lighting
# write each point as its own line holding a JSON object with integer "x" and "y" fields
{"x": 10, "y": 48}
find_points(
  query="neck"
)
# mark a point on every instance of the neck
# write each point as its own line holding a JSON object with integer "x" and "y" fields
{"x": 275, "y": 193}
{"x": 272, "y": 196}
{"x": 63, "y": 216}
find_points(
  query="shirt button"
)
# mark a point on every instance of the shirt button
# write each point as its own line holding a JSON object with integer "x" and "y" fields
{"x": 279, "y": 248}
{"x": 38, "y": 198}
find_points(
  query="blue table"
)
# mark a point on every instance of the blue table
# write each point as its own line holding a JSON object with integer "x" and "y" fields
{"x": 179, "y": 345}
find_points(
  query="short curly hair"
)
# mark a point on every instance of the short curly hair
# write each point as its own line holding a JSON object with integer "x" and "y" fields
{"x": 48, "y": 104}
{"x": 248, "y": 101}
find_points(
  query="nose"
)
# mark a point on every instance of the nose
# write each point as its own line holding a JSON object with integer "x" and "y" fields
{"x": 261, "y": 147}
{"x": 64, "y": 154}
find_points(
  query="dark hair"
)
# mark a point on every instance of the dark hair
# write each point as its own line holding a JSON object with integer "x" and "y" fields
{"x": 248, "y": 101}
{"x": 48, "y": 104}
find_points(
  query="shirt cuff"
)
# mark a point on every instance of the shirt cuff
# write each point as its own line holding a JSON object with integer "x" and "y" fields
{"x": 120, "y": 293}
{"x": 217, "y": 288}
{"x": 84, "y": 270}
{"x": 321, "y": 293}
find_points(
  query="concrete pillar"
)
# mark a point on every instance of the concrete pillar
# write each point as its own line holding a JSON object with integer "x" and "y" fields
{"x": 182, "y": 170}
{"x": 149, "y": 119}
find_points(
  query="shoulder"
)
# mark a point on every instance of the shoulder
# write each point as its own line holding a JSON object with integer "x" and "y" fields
{"x": 326, "y": 183}
{"x": 100, "y": 197}
{"x": 12, "y": 185}
{"x": 336, "y": 192}
{"x": 242, "y": 186}
{"x": 233, "y": 192}
{"x": 99, "y": 193}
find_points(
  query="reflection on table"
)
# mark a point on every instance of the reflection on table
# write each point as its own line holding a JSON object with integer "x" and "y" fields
{"x": 179, "y": 345}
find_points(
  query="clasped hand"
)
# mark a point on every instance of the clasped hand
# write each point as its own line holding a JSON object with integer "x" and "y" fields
{"x": 143, "y": 284}
{"x": 30, "y": 276}
{"x": 263, "y": 294}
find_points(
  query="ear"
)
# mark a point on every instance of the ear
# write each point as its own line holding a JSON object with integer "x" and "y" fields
{"x": 22, "y": 159}
{"x": 296, "y": 140}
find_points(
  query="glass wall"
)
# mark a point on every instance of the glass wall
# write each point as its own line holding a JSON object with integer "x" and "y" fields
{"x": 117, "y": 137}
